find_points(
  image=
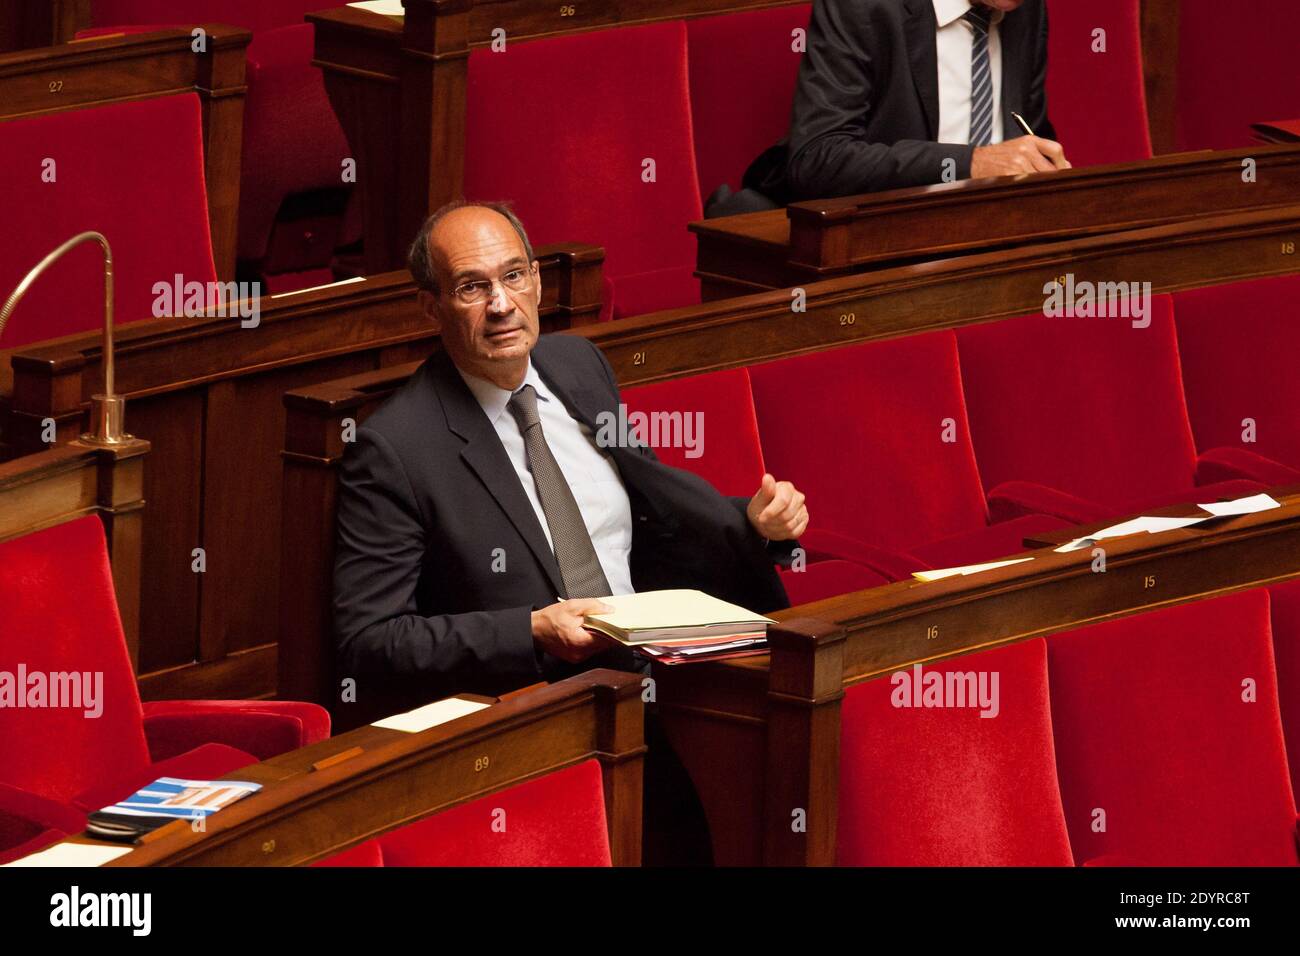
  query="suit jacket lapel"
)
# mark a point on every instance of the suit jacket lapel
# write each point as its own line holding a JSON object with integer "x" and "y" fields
{"x": 919, "y": 30}
{"x": 484, "y": 454}
{"x": 1016, "y": 59}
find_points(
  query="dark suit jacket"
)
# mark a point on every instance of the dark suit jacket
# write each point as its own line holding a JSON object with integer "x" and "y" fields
{"x": 427, "y": 494}
{"x": 866, "y": 109}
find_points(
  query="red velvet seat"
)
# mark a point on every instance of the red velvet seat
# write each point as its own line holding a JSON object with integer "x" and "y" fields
{"x": 1083, "y": 86}
{"x": 293, "y": 146}
{"x": 61, "y": 617}
{"x": 113, "y": 173}
{"x": 731, "y": 459}
{"x": 743, "y": 68}
{"x": 1238, "y": 345}
{"x": 860, "y": 429}
{"x": 728, "y": 454}
{"x": 574, "y": 167}
{"x": 1236, "y": 66}
{"x": 1153, "y": 731}
{"x": 554, "y": 820}
{"x": 1100, "y": 436}
{"x": 1284, "y": 600}
{"x": 943, "y": 786}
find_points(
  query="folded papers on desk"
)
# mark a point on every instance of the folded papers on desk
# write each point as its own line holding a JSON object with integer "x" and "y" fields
{"x": 676, "y": 626}
{"x": 941, "y": 573}
{"x": 431, "y": 715}
{"x": 73, "y": 855}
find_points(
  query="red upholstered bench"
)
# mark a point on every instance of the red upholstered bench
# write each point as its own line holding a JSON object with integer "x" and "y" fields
{"x": 554, "y": 820}
{"x": 1169, "y": 743}
{"x": 1096, "y": 100}
{"x": 573, "y": 161}
{"x": 58, "y": 762}
{"x": 1238, "y": 345}
{"x": 133, "y": 171}
{"x": 1083, "y": 418}
{"x": 726, "y": 453}
{"x": 876, "y": 435}
{"x": 743, "y": 68}
{"x": 943, "y": 786}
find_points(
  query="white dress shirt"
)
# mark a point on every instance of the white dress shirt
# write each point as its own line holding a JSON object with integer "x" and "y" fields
{"x": 953, "y": 43}
{"x": 590, "y": 472}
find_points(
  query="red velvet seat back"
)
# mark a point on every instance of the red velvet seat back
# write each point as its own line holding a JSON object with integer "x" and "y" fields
{"x": 1236, "y": 66}
{"x": 1152, "y": 729}
{"x": 1097, "y": 101}
{"x": 292, "y": 140}
{"x": 743, "y": 68}
{"x": 115, "y": 172}
{"x": 571, "y": 158}
{"x": 555, "y": 820}
{"x": 60, "y": 616}
{"x": 1238, "y": 345}
{"x": 1090, "y": 406}
{"x": 943, "y": 786}
{"x": 726, "y": 430}
{"x": 1284, "y": 600}
{"x": 860, "y": 430}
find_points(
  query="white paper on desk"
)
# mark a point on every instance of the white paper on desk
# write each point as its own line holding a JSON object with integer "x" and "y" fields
{"x": 965, "y": 569}
{"x": 389, "y": 8}
{"x": 430, "y": 715}
{"x": 73, "y": 854}
{"x": 1241, "y": 506}
{"x": 1147, "y": 524}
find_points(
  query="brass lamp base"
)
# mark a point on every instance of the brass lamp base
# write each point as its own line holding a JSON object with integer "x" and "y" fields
{"x": 108, "y": 415}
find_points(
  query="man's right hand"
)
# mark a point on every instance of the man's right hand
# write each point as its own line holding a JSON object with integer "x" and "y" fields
{"x": 1024, "y": 154}
{"x": 558, "y": 630}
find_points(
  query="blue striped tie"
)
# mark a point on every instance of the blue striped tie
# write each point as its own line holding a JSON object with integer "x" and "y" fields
{"x": 981, "y": 78}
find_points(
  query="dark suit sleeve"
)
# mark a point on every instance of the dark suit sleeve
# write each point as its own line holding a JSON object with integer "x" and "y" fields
{"x": 829, "y": 154}
{"x": 381, "y": 555}
{"x": 1037, "y": 102}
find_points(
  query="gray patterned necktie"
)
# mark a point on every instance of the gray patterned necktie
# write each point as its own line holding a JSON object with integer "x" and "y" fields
{"x": 981, "y": 78}
{"x": 579, "y": 565}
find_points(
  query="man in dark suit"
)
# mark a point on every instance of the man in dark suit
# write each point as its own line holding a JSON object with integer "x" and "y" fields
{"x": 478, "y": 518}
{"x": 896, "y": 93}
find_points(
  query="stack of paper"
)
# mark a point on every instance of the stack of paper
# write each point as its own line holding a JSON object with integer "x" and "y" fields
{"x": 163, "y": 801}
{"x": 673, "y": 627}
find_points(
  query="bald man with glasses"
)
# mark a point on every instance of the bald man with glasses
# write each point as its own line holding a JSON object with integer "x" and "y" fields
{"x": 479, "y": 520}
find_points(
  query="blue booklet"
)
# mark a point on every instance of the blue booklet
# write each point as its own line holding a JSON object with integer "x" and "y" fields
{"x": 159, "y": 803}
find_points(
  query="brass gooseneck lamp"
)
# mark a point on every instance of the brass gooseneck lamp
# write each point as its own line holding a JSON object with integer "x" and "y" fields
{"x": 107, "y": 410}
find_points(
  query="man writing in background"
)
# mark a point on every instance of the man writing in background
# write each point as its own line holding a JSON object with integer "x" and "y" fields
{"x": 896, "y": 93}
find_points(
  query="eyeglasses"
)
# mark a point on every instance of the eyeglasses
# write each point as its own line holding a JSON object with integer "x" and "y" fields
{"x": 477, "y": 290}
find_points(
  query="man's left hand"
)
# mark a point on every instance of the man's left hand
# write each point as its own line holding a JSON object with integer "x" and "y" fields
{"x": 777, "y": 511}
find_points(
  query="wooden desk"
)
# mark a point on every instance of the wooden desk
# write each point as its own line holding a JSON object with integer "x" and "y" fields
{"x": 809, "y": 241}
{"x": 311, "y": 808}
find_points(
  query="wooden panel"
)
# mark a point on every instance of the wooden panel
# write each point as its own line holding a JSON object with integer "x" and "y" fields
{"x": 172, "y": 489}
{"x": 242, "y": 474}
